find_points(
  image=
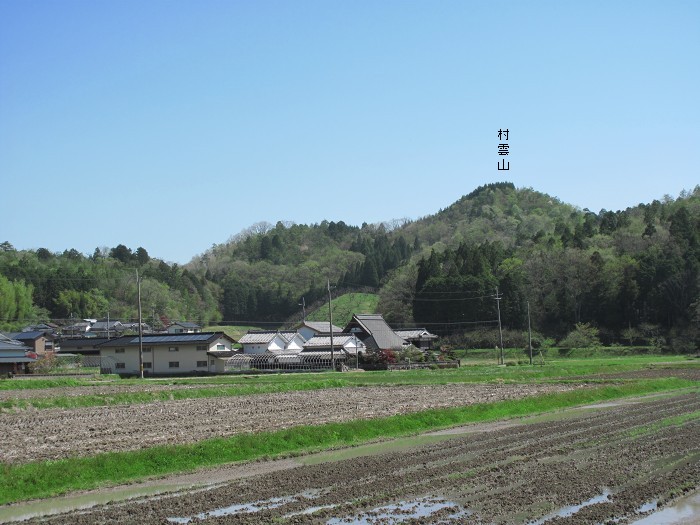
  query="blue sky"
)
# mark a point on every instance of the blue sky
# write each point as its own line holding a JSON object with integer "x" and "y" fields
{"x": 173, "y": 125}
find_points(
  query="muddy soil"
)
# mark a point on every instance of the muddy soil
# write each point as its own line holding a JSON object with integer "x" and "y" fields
{"x": 31, "y": 434}
{"x": 605, "y": 466}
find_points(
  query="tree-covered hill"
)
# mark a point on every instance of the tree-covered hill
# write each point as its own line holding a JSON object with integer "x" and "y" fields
{"x": 60, "y": 287}
{"x": 633, "y": 274}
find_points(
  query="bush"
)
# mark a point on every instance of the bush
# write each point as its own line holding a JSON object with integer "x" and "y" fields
{"x": 582, "y": 336}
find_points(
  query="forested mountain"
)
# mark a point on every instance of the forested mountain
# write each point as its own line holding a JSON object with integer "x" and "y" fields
{"x": 633, "y": 274}
{"x": 43, "y": 286}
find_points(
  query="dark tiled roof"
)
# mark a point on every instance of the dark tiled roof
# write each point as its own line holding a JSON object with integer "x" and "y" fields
{"x": 186, "y": 324}
{"x": 83, "y": 342}
{"x": 28, "y": 336}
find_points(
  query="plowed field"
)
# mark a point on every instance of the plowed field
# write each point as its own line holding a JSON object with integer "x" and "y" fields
{"x": 607, "y": 465}
{"x": 32, "y": 434}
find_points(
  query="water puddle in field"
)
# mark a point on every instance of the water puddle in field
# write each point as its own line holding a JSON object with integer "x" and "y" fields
{"x": 24, "y": 511}
{"x": 310, "y": 510}
{"x": 647, "y": 507}
{"x": 685, "y": 511}
{"x": 271, "y": 503}
{"x": 405, "y": 510}
{"x": 248, "y": 508}
{"x": 570, "y": 510}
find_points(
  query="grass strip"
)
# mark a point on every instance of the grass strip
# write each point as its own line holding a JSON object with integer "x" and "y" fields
{"x": 126, "y": 398}
{"x": 274, "y": 383}
{"x": 479, "y": 371}
{"x": 51, "y": 478}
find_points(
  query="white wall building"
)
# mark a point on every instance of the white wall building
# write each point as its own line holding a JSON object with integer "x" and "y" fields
{"x": 308, "y": 329}
{"x": 171, "y": 354}
{"x": 182, "y": 327}
{"x": 261, "y": 341}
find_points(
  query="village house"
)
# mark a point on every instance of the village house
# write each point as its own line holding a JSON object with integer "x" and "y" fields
{"x": 184, "y": 327}
{"x": 107, "y": 328}
{"x": 39, "y": 341}
{"x": 308, "y": 329}
{"x": 15, "y": 356}
{"x": 348, "y": 344}
{"x": 79, "y": 328}
{"x": 168, "y": 354}
{"x": 275, "y": 342}
{"x": 86, "y": 346}
{"x": 418, "y": 337}
{"x": 373, "y": 331}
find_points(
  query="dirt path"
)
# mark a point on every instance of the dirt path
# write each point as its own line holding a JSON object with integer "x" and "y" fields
{"x": 614, "y": 463}
{"x": 31, "y": 434}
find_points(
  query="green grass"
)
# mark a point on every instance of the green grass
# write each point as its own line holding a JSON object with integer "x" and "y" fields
{"x": 32, "y": 384}
{"x": 224, "y": 386}
{"x": 50, "y": 478}
{"x": 88, "y": 400}
{"x": 476, "y": 355}
{"x": 345, "y": 306}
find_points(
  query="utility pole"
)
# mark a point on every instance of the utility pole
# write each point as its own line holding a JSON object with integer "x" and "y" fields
{"x": 357, "y": 352}
{"x": 500, "y": 330}
{"x": 330, "y": 327}
{"x": 138, "y": 286}
{"x": 303, "y": 310}
{"x": 529, "y": 332}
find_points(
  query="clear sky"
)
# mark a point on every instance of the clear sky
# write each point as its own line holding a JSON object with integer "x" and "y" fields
{"x": 174, "y": 124}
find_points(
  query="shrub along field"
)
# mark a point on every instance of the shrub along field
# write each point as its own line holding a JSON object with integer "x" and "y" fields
{"x": 367, "y": 406}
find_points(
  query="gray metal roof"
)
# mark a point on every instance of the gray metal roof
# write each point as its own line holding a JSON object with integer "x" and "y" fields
{"x": 322, "y": 326}
{"x": 149, "y": 340}
{"x": 325, "y": 340}
{"x": 378, "y": 334}
{"x": 84, "y": 342}
{"x": 17, "y": 360}
{"x": 258, "y": 337}
{"x": 265, "y": 336}
{"x": 13, "y": 345}
{"x": 415, "y": 333}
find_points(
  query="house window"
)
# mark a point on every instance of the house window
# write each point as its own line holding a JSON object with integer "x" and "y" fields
{"x": 211, "y": 362}
{"x": 174, "y": 364}
{"x": 120, "y": 365}
{"x": 173, "y": 349}
{"x": 146, "y": 348}
{"x": 147, "y": 364}
{"x": 221, "y": 347}
{"x": 178, "y": 330}
{"x": 201, "y": 363}
{"x": 201, "y": 348}
{"x": 118, "y": 350}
